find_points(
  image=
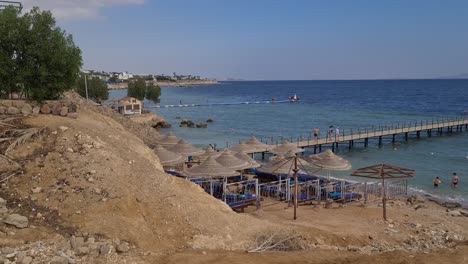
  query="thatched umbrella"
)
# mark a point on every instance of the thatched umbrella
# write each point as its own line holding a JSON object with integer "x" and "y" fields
{"x": 282, "y": 165}
{"x": 168, "y": 158}
{"x": 329, "y": 161}
{"x": 209, "y": 152}
{"x": 186, "y": 149}
{"x": 243, "y": 147}
{"x": 246, "y": 157}
{"x": 169, "y": 140}
{"x": 210, "y": 168}
{"x": 384, "y": 171}
{"x": 227, "y": 159}
{"x": 285, "y": 148}
{"x": 256, "y": 145}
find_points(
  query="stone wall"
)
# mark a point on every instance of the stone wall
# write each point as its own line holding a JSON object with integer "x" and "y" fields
{"x": 23, "y": 107}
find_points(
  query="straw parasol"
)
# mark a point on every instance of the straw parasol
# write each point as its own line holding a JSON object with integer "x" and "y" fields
{"x": 209, "y": 152}
{"x": 168, "y": 158}
{"x": 282, "y": 164}
{"x": 256, "y": 145}
{"x": 244, "y": 156}
{"x": 384, "y": 171}
{"x": 168, "y": 140}
{"x": 210, "y": 168}
{"x": 186, "y": 149}
{"x": 243, "y": 147}
{"x": 285, "y": 148}
{"x": 329, "y": 161}
{"x": 227, "y": 159}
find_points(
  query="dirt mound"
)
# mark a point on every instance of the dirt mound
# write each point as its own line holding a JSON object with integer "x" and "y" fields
{"x": 95, "y": 176}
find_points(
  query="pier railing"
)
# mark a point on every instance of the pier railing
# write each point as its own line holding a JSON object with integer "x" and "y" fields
{"x": 348, "y": 134}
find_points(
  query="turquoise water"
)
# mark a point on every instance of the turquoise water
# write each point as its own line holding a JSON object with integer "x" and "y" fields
{"x": 344, "y": 104}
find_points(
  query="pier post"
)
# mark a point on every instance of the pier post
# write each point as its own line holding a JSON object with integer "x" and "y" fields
{"x": 406, "y": 136}
{"x": 366, "y": 142}
{"x": 315, "y": 149}
{"x": 393, "y": 138}
{"x": 429, "y": 132}
{"x": 350, "y": 144}
{"x": 380, "y": 141}
{"x": 418, "y": 134}
{"x": 320, "y": 148}
{"x": 263, "y": 155}
{"x": 333, "y": 147}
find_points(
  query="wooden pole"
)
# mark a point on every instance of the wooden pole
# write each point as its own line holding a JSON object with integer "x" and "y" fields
{"x": 296, "y": 187}
{"x": 384, "y": 198}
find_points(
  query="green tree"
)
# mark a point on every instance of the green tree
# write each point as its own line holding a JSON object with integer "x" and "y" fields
{"x": 97, "y": 89}
{"x": 153, "y": 92}
{"x": 37, "y": 58}
{"x": 113, "y": 78}
{"x": 137, "y": 89}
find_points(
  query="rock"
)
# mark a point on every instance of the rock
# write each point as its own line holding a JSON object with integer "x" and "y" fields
{"x": 63, "y": 128}
{"x": 82, "y": 251}
{"x": 17, "y": 220}
{"x": 2, "y": 202}
{"x": 45, "y": 109}
{"x": 209, "y": 120}
{"x": 416, "y": 207}
{"x": 73, "y": 115}
{"x": 106, "y": 250}
{"x": 13, "y": 110}
{"x": 202, "y": 125}
{"x": 7, "y": 250}
{"x": 455, "y": 213}
{"x": 59, "y": 260}
{"x": 57, "y": 108}
{"x": 70, "y": 150}
{"x": 37, "y": 190}
{"x": 76, "y": 242}
{"x": 26, "y": 109}
{"x": 64, "y": 111}
{"x": 18, "y": 103}
{"x": 464, "y": 213}
{"x": 92, "y": 172}
{"x": 27, "y": 260}
{"x": 123, "y": 247}
{"x": 3, "y": 110}
{"x": 36, "y": 110}
{"x": 162, "y": 124}
{"x": 20, "y": 256}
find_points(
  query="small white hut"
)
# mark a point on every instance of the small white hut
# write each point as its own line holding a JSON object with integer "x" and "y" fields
{"x": 129, "y": 106}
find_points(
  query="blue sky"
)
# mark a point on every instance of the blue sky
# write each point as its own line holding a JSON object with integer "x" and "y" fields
{"x": 275, "y": 40}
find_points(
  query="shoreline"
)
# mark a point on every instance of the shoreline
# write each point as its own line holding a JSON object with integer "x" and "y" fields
{"x": 123, "y": 86}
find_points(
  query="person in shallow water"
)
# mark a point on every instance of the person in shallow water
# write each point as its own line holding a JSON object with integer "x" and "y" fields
{"x": 437, "y": 181}
{"x": 454, "y": 180}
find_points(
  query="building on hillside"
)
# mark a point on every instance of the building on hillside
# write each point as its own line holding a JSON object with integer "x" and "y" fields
{"x": 124, "y": 76}
{"x": 129, "y": 106}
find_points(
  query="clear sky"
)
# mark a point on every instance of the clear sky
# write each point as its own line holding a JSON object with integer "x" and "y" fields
{"x": 270, "y": 39}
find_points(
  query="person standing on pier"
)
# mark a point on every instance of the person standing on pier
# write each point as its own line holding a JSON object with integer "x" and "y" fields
{"x": 337, "y": 133}
{"x": 316, "y": 133}
{"x": 330, "y": 133}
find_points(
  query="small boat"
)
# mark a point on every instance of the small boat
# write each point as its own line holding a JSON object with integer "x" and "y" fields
{"x": 293, "y": 98}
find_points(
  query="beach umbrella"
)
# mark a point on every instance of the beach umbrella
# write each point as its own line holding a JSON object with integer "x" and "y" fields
{"x": 227, "y": 159}
{"x": 186, "y": 149}
{"x": 285, "y": 148}
{"x": 168, "y": 140}
{"x": 283, "y": 164}
{"x": 384, "y": 171}
{"x": 244, "y": 156}
{"x": 209, "y": 152}
{"x": 329, "y": 161}
{"x": 167, "y": 157}
{"x": 243, "y": 147}
{"x": 209, "y": 168}
{"x": 256, "y": 145}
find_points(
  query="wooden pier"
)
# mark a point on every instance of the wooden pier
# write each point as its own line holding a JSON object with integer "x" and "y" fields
{"x": 406, "y": 129}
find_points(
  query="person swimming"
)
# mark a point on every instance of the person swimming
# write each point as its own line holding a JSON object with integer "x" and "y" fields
{"x": 455, "y": 180}
{"x": 437, "y": 181}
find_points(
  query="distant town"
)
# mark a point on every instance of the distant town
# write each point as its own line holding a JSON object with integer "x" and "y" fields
{"x": 119, "y": 80}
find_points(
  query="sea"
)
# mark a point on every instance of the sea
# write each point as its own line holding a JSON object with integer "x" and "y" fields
{"x": 348, "y": 105}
